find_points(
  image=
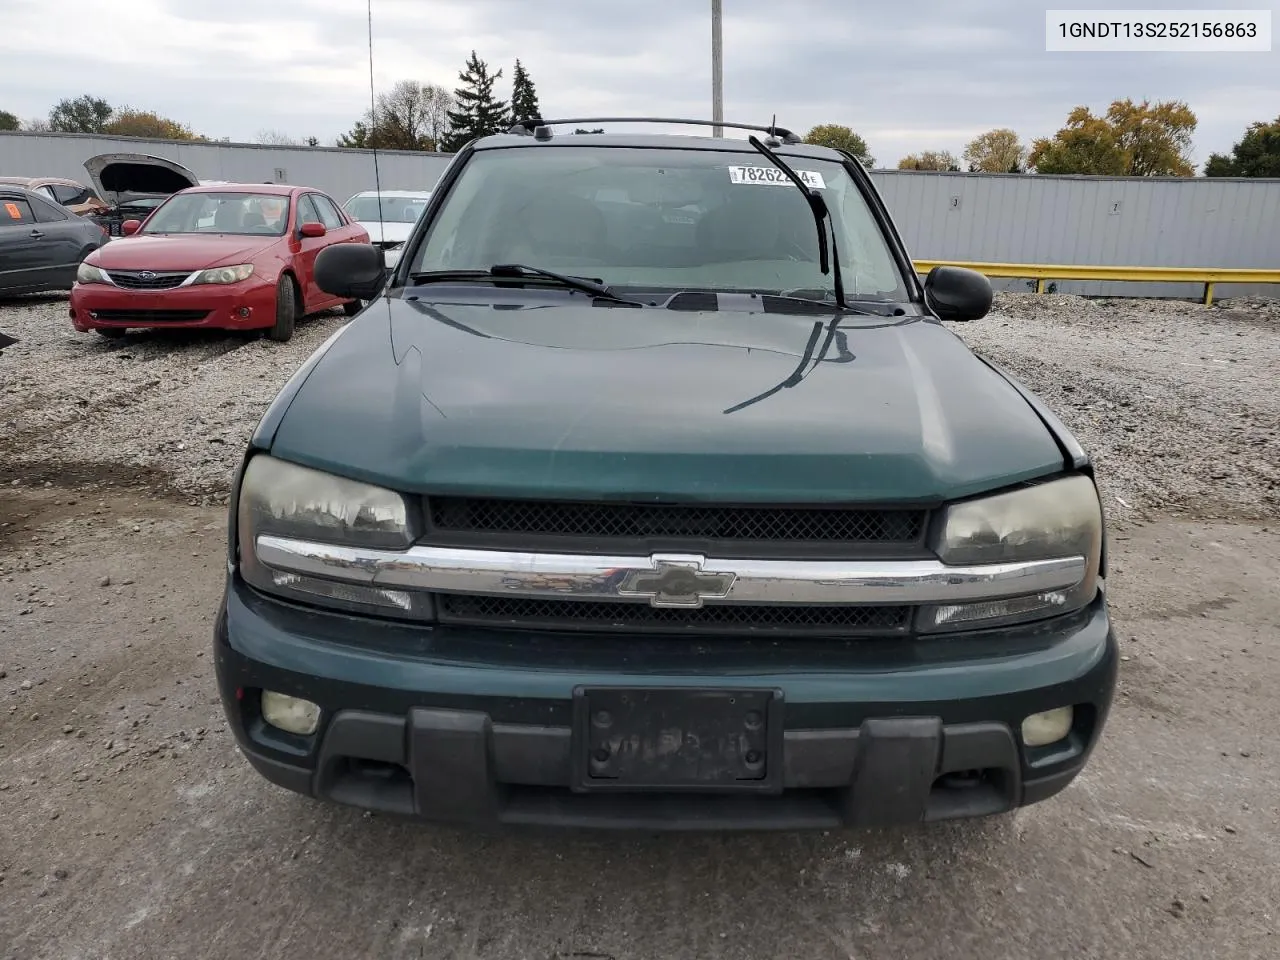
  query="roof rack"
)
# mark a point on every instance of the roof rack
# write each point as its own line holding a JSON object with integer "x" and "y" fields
{"x": 541, "y": 129}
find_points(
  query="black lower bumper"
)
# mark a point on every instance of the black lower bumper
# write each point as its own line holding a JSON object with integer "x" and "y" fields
{"x": 457, "y": 766}
{"x": 500, "y": 740}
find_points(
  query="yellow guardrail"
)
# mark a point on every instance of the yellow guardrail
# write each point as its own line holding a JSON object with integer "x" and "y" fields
{"x": 1040, "y": 272}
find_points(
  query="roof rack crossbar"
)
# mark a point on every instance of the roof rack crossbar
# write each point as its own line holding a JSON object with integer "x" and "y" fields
{"x": 530, "y": 125}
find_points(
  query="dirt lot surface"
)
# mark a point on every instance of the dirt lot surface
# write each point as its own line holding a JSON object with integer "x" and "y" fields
{"x": 131, "y": 828}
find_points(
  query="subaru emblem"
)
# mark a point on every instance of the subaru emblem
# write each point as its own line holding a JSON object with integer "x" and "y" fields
{"x": 147, "y": 275}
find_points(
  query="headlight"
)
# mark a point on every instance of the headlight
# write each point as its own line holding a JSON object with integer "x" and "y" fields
{"x": 225, "y": 274}
{"x": 1061, "y": 518}
{"x": 88, "y": 273}
{"x": 282, "y": 499}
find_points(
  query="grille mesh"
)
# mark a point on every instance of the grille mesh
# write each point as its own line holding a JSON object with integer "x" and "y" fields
{"x": 839, "y": 620}
{"x": 133, "y": 280}
{"x": 624, "y": 521}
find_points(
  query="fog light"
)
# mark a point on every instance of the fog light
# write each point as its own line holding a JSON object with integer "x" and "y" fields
{"x": 1042, "y": 729}
{"x": 290, "y": 714}
{"x": 243, "y": 311}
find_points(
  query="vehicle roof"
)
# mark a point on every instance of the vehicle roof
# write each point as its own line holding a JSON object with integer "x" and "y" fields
{"x": 280, "y": 189}
{"x": 28, "y": 181}
{"x": 392, "y": 193}
{"x": 16, "y": 190}
{"x": 671, "y": 141}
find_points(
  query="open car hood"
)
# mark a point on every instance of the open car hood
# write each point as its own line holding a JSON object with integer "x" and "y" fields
{"x": 122, "y": 177}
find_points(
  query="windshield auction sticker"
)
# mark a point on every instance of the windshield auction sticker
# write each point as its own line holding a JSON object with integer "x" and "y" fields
{"x": 811, "y": 178}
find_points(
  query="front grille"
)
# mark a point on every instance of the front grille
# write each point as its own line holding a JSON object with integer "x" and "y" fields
{"x": 619, "y": 521}
{"x": 149, "y": 316}
{"x": 619, "y": 616}
{"x": 133, "y": 279}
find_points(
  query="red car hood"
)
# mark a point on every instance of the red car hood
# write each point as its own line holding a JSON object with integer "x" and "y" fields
{"x": 174, "y": 252}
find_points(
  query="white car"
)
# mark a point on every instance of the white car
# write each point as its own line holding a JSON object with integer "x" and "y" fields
{"x": 388, "y": 217}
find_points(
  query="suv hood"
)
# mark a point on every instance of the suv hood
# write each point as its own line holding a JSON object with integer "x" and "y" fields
{"x": 555, "y": 400}
{"x": 122, "y": 177}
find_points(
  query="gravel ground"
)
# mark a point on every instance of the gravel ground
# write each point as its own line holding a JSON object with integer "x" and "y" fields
{"x": 1178, "y": 402}
{"x": 131, "y": 827}
{"x": 171, "y": 410}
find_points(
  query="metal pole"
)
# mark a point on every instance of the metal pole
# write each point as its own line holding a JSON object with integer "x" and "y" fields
{"x": 717, "y": 68}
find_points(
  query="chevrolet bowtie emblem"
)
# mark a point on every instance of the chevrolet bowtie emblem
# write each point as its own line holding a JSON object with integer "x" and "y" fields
{"x": 676, "y": 581}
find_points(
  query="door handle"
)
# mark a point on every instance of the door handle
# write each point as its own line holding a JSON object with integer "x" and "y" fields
{"x": 36, "y": 234}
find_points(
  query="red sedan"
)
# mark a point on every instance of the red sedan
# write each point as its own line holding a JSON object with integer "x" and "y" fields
{"x": 229, "y": 256}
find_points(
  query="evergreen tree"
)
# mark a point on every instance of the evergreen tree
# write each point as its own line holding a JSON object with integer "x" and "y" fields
{"x": 478, "y": 112}
{"x": 524, "y": 98}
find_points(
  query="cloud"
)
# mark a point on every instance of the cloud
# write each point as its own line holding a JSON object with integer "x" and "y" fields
{"x": 928, "y": 76}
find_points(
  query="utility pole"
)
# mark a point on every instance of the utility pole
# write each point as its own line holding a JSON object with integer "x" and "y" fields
{"x": 717, "y": 68}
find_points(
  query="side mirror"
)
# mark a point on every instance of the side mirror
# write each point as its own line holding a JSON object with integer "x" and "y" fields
{"x": 353, "y": 271}
{"x": 957, "y": 294}
{"x": 313, "y": 230}
{"x": 129, "y": 227}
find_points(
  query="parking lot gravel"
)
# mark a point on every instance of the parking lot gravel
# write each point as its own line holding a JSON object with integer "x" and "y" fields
{"x": 1178, "y": 402}
{"x": 131, "y": 827}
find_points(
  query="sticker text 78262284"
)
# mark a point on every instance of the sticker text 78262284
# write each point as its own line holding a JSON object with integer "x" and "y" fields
{"x": 771, "y": 175}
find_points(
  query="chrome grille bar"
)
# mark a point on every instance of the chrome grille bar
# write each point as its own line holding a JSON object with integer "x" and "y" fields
{"x": 668, "y": 580}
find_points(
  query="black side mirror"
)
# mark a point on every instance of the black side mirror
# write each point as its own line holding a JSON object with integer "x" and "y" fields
{"x": 354, "y": 271}
{"x": 957, "y": 294}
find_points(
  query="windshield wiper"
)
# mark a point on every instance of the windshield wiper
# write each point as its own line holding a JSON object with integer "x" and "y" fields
{"x": 821, "y": 214}
{"x": 574, "y": 283}
{"x": 519, "y": 271}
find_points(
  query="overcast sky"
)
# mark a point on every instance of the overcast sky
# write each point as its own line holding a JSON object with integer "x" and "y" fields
{"x": 908, "y": 76}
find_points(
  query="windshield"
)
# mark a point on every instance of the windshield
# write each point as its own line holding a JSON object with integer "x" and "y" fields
{"x": 394, "y": 209}
{"x": 659, "y": 219}
{"x": 258, "y": 214}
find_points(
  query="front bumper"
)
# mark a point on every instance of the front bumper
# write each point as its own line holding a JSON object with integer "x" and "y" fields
{"x": 478, "y": 727}
{"x": 247, "y": 305}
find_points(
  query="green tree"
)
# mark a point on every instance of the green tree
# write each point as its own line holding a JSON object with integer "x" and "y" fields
{"x": 524, "y": 96}
{"x": 1257, "y": 154}
{"x": 1131, "y": 140}
{"x": 929, "y": 160}
{"x": 840, "y": 137}
{"x": 86, "y": 114}
{"x": 996, "y": 151}
{"x": 360, "y": 136}
{"x": 478, "y": 112}
{"x": 128, "y": 122}
{"x": 9, "y": 121}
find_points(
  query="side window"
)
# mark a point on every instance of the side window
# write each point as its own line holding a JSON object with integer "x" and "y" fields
{"x": 14, "y": 211}
{"x": 46, "y": 190}
{"x": 67, "y": 194}
{"x": 328, "y": 211}
{"x": 48, "y": 212}
{"x": 307, "y": 211}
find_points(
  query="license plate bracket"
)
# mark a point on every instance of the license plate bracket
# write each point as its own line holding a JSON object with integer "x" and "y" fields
{"x": 677, "y": 739}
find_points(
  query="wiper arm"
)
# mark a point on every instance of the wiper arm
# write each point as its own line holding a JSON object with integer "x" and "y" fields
{"x": 821, "y": 214}
{"x": 518, "y": 271}
{"x": 574, "y": 283}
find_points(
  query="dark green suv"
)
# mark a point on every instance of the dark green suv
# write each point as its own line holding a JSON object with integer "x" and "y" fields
{"x": 649, "y": 490}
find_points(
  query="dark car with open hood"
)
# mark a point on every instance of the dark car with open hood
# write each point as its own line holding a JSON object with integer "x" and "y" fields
{"x": 650, "y": 490}
{"x": 134, "y": 184}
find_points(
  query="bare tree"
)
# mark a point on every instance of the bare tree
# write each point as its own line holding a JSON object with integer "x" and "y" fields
{"x": 276, "y": 138}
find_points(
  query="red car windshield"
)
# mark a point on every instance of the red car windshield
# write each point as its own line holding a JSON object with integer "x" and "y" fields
{"x": 251, "y": 214}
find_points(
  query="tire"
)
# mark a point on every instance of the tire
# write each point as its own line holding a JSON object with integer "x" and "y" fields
{"x": 352, "y": 307}
{"x": 286, "y": 310}
{"x": 111, "y": 333}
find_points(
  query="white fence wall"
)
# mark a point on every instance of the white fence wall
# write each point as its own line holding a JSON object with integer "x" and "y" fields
{"x": 337, "y": 171}
{"x": 1116, "y": 221}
